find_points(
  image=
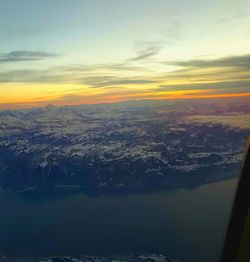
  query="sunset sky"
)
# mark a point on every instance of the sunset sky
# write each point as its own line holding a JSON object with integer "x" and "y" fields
{"x": 65, "y": 52}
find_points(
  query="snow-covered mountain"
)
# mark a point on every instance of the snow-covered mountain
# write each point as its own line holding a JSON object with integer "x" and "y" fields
{"x": 123, "y": 147}
{"x": 140, "y": 257}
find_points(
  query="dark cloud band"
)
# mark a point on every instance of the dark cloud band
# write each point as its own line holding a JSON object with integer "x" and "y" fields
{"x": 20, "y": 55}
{"x": 233, "y": 61}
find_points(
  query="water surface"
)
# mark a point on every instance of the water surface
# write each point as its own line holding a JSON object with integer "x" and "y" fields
{"x": 187, "y": 224}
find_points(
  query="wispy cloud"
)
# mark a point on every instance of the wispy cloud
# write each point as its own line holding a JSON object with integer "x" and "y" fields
{"x": 91, "y": 77}
{"x": 239, "y": 86}
{"x": 124, "y": 66}
{"x": 33, "y": 76}
{"x": 21, "y": 55}
{"x": 231, "y": 61}
{"x": 76, "y": 84}
{"x": 146, "y": 53}
{"x": 227, "y": 19}
{"x": 104, "y": 81}
{"x": 221, "y": 70}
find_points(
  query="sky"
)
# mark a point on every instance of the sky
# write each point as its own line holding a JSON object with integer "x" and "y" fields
{"x": 64, "y": 52}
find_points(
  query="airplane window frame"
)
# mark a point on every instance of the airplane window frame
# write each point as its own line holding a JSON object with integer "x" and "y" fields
{"x": 240, "y": 211}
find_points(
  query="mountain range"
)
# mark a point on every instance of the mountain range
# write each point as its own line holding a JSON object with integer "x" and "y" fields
{"x": 134, "y": 146}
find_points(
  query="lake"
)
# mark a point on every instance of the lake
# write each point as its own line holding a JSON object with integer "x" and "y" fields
{"x": 187, "y": 224}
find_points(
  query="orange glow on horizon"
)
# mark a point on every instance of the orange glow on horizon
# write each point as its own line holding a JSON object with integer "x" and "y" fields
{"x": 198, "y": 94}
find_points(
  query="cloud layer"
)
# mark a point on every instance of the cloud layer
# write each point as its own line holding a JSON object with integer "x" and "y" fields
{"x": 232, "y": 61}
{"x": 21, "y": 55}
{"x": 97, "y": 83}
{"x": 146, "y": 53}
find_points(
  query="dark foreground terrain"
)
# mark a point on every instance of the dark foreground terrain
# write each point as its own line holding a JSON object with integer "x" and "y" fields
{"x": 86, "y": 258}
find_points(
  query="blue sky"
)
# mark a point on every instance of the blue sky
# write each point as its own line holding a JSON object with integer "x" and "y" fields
{"x": 148, "y": 36}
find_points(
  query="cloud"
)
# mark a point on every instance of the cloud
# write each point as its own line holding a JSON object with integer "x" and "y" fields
{"x": 228, "y": 19}
{"x": 75, "y": 77}
{"x": 238, "y": 86}
{"x": 231, "y": 61}
{"x": 199, "y": 75}
{"x": 95, "y": 75}
{"x": 146, "y": 53}
{"x": 111, "y": 81}
{"x": 21, "y": 55}
{"x": 32, "y": 76}
{"x": 101, "y": 75}
{"x": 125, "y": 66}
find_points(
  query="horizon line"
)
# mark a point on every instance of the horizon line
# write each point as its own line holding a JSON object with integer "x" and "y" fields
{"x": 25, "y": 106}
